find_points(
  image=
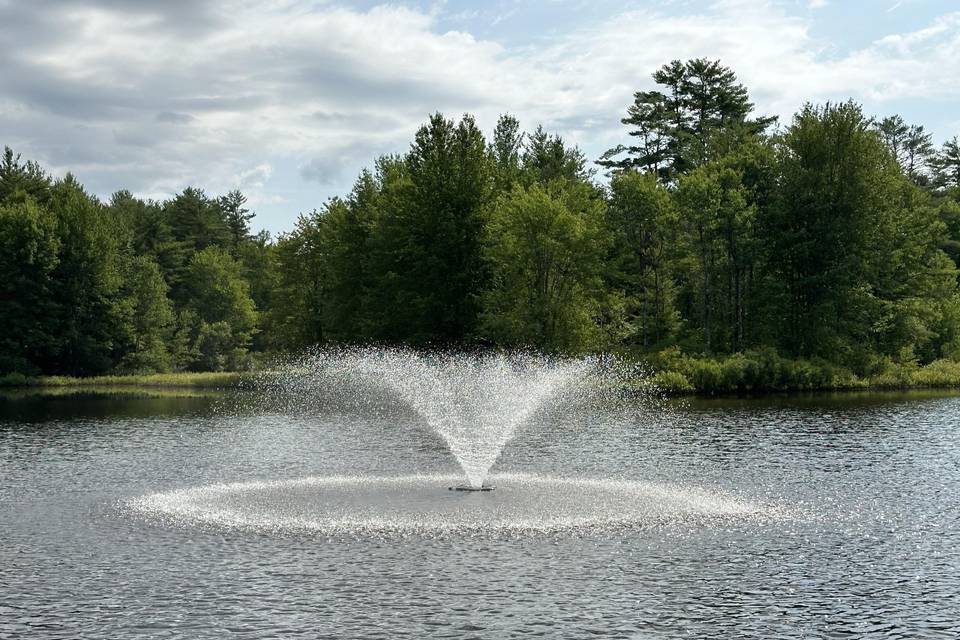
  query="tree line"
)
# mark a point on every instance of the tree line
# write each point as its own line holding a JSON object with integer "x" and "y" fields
{"x": 835, "y": 236}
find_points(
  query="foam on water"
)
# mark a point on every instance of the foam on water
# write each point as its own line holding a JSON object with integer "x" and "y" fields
{"x": 416, "y": 504}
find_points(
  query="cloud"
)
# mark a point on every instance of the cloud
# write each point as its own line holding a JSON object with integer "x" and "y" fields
{"x": 339, "y": 164}
{"x": 156, "y": 96}
{"x": 254, "y": 177}
{"x": 173, "y": 117}
{"x": 773, "y": 53}
{"x": 263, "y": 82}
{"x": 939, "y": 33}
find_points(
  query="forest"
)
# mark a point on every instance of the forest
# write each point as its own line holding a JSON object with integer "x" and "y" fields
{"x": 721, "y": 247}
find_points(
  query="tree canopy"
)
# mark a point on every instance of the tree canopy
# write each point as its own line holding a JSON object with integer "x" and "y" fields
{"x": 834, "y": 238}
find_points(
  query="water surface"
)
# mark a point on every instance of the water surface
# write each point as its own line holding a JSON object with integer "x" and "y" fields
{"x": 851, "y": 528}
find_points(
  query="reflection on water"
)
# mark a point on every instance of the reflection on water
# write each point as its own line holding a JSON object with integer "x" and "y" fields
{"x": 866, "y": 490}
{"x": 70, "y": 403}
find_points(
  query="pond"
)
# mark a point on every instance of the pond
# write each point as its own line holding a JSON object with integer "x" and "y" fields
{"x": 131, "y": 516}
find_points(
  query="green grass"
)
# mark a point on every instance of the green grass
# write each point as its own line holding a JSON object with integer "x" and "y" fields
{"x": 675, "y": 373}
{"x": 764, "y": 371}
{"x": 117, "y": 391}
{"x": 211, "y": 380}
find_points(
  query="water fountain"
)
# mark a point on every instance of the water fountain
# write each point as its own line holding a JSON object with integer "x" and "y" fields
{"x": 476, "y": 403}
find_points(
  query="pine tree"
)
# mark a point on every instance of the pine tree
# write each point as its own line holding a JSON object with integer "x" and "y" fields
{"x": 701, "y": 114}
{"x": 946, "y": 165}
{"x": 236, "y": 216}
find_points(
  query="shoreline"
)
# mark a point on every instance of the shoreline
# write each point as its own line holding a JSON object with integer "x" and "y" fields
{"x": 200, "y": 380}
{"x": 671, "y": 383}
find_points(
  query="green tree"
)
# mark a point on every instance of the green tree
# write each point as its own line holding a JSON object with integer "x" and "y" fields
{"x": 198, "y": 220}
{"x": 643, "y": 222}
{"x": 946, "y": 165}
{"x": 226, "y": 315}
{"x": 545, "y": 247}
{"x": 910, "y": 146}
{"x": 427, "y": 264}
{"x": 652, "y": 120}
{"x": 346, "y": 231}
{"x": 717, "y": 218}
{"x": 236, "y": 216}
{"x": 29, "y": 254}
{"x": 893, "y": 132}
{"x": 19, "y": 180}
{"x": 150, "y": 234}
{"x": 749, "y": 177}
{"x": 547, "y": 157}
{"x": 949, "y": 212}
{"x": 295, "y": 318}
{"x": 849, "y": 239}
{"x": 702, "y": 113}
{"x": 505, "y": 150}
{"x": 912, "y": 281}
{"x": 258, "y": 259}
{"x": 86, "y": 283}
{"x": 148, "y": 318}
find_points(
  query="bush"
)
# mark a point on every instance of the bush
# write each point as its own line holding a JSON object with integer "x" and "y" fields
{"x": 669, "y": 359}
{"x": 15, "y": 379}
{"x": 940, "y": 373}
{"x": 706, "y": 376}
{"x": 672, "y": 382}
{"x": 765, "y": 370}
{"x": 739, "y": 372}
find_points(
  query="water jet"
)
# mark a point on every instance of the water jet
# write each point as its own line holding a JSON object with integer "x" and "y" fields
{"x": 475, "y": 404}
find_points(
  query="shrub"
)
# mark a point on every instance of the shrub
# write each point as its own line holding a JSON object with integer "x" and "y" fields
{"x": 765, "y": 370}
{"x": 15, "y": 379}
{"x": 706, "y": 376}
{"x": 672, "y": 382}
{"x": 741, "y": 372}
{"x": 940, "y": 373}
{"x": 669, "y": 359}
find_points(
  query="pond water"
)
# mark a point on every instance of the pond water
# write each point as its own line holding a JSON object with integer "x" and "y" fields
{"x": 128, "y": 516}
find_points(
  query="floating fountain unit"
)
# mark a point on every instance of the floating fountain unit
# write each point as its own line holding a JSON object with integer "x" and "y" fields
{"x": 468, "y": 487}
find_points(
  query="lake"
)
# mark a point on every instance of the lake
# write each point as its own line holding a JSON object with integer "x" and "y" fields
{"x": 131, "y": 516}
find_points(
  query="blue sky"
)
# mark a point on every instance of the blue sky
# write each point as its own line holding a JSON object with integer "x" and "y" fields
{"x": 288, "y": 99}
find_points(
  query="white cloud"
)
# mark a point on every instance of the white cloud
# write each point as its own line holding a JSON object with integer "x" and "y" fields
{"x": 941, "y": 29}
{"x": 155, "y": 101}
{"x": 254, "y": 177}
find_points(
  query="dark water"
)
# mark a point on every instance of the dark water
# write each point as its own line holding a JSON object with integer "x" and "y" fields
{"x": 862, "y": 494}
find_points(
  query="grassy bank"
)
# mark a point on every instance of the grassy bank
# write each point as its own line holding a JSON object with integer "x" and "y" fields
{"x": 208, "y": 380}
{"x": 674, "y": 373}
{"x": 766, "y": 372}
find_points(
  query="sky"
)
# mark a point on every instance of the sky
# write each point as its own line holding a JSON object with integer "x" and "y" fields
{"x": 287, "y": 100}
